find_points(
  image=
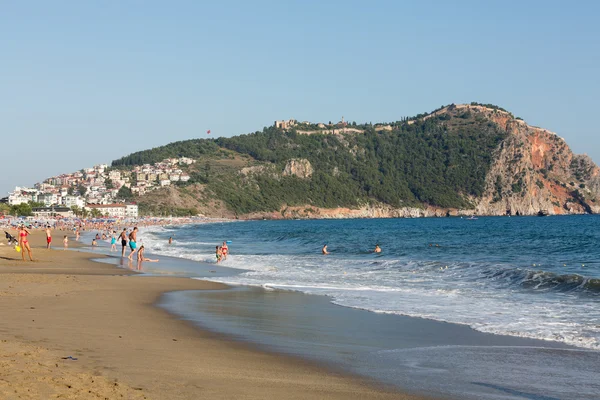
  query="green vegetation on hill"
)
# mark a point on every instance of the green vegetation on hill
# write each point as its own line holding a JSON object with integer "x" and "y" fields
{"x": 194, "y": 148}
{"x": 439, "y": 161}
{"x": 430, "y": 162}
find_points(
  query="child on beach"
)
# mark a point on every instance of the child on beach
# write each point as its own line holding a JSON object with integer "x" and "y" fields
{"x": 141, "y": 257}
{"x": 66, "y": 242}
{"x": 218, "y": 253}
{"x": 113, "y": 241}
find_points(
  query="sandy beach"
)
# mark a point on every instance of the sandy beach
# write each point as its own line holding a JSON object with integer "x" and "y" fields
{"x": 73, "y": 328}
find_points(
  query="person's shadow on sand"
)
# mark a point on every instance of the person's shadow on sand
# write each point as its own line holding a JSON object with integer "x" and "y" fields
{"x": 10, "y": 259}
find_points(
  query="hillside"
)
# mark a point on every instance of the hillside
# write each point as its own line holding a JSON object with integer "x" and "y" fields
{"x": 459, "y": 159}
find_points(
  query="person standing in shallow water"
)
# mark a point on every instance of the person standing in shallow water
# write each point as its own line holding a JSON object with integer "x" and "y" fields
{"x": 324, "y": 250}
{"x": 123, "y": 237}
{"x": 377, "y": 249}
{"x": 133, "y": 242}
{"x": 224, "y": 251}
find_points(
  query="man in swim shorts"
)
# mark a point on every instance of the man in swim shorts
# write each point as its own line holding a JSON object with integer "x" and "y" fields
{"x": 133, "y": 241}
{"x": 48, "y": 236}
{"x": 123, "y": 237}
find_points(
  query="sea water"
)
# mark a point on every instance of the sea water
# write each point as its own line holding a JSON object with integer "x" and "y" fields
{"x": 526, "y": 277}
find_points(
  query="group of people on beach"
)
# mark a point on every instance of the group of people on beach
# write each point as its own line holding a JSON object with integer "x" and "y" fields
{"x": 106, "y": 232}
{"x": 222, "y": 252}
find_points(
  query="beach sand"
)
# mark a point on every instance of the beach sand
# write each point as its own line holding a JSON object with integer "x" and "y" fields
{"x": 65, "y": 305}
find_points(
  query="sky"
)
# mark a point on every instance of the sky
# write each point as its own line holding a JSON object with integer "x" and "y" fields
{"x": 87, "y": 82}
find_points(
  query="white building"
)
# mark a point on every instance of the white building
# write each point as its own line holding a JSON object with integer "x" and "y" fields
{"x": 48, "y": 199}
{"x": 131, "y": 210}
{"x": 22, "y": 195}
{"x": 114, "y": 175}
{"x": 70, "y": 201}
{"x": 115, "y": 210}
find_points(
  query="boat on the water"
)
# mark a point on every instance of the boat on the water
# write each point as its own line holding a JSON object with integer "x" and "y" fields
{"x": 472, "y": 217}
{"x": 543, "y": 213}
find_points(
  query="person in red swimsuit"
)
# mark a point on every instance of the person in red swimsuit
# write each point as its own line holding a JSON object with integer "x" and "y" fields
{"x": 24, "y": 242}
{"x": 224, "y": 251}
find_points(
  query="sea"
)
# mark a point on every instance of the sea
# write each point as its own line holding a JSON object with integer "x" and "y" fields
{"x": 485, "y": 308}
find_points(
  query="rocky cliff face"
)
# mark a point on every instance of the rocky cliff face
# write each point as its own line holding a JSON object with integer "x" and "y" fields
{"x": 298, "y": 167}
{"x": 534, "y": 170}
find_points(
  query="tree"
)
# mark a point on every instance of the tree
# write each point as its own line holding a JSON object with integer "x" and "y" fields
{"x": 125, "y": 193}
{"x": 22, "y": 209}
{"x": 82, "y": 190}
{"x": 95, "y": 213}
{"x": 70, "y": 191}
{"x": 76, "y": 210}
{"x": 109, "y": 183}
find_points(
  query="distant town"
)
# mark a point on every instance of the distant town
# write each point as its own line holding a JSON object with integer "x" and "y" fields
{"x": 98, "y": 191}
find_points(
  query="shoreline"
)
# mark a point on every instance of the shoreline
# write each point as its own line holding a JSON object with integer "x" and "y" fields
{"x": 106, "y": 317}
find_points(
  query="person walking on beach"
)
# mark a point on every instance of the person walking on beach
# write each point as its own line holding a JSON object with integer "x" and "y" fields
{"x": 123, "y": 237}
{"x": 48, "y": 236}
{"x": 133, "y": 242}
{"x": 66, "y": 242}
{"x": 24, "y": 242}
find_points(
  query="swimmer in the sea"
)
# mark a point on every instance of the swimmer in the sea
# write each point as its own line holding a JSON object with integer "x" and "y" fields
{"x": 324, "y": 250}
{"x": 377, "y": 249}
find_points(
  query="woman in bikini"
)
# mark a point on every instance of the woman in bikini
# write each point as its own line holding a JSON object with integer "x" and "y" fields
{"x": 24, "y": 242}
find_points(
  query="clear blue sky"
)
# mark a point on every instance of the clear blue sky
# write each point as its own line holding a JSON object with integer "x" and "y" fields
{"x": 85, "y": 82}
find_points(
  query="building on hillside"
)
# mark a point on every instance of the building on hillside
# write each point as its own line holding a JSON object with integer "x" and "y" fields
{"x": 48, "y": 199}
{"x": 131, "y": 210}
{"x": 114, "y": 175}
{"x": 115, "y": 210}
{"x": 22, "y": 195}
{"x": 285, "y": 124}
{"x": 54, "y": 211}
{"x": 186, "y": 160}
{"x": 70, "y": 201}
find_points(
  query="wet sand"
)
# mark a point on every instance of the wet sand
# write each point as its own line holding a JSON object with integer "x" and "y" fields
{"x": 64, "y": 305}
